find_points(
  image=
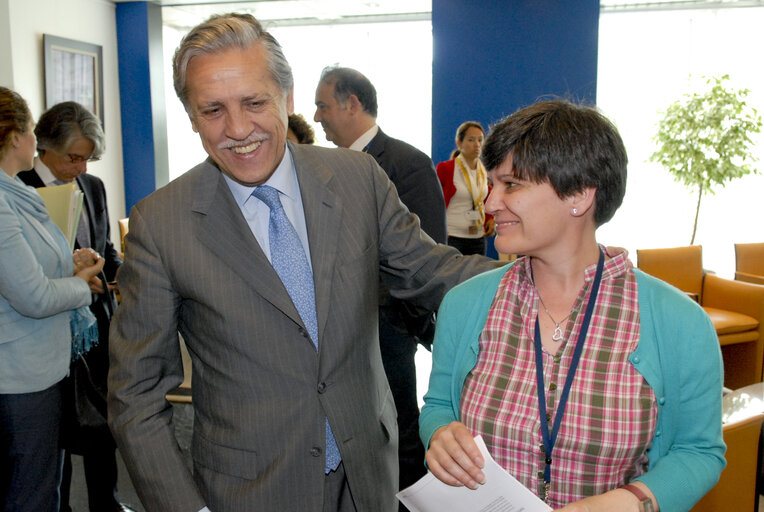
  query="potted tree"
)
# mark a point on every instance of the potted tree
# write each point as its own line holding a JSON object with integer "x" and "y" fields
{"x": 705, "y": 138}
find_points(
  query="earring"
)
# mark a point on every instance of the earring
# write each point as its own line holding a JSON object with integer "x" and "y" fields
{"x": 575, "y": 211}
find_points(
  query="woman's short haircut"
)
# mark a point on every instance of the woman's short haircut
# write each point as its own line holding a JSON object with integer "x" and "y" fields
{"x": 223, "y": 32}
{"x": 63, "y": 123}
{"x": 14, "y": 116}
{"x": 571, "y": 146}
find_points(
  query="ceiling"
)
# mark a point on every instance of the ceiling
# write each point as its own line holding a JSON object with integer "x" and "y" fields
{"x": 184, "y": 14}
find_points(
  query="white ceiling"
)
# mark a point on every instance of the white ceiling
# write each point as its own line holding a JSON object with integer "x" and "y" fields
{"x": 184, "y": 14}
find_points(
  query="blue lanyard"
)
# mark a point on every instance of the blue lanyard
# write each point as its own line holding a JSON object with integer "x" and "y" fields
{"x": 550, "y": 440}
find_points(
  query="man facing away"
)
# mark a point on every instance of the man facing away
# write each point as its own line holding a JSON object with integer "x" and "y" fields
{"x": 266, "y": 258}
{"x": 68, "y": 137}
{"x": 346, "y": 107}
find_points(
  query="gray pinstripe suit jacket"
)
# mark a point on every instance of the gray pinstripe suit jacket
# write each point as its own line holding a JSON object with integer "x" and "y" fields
{"x": 260, "y": 391}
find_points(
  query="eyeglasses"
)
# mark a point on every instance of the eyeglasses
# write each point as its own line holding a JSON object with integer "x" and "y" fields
{"x": 78, "y": 159}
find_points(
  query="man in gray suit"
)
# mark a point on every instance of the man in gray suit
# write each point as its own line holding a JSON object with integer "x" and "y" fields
{"x": 292, "y": 408}
{"x": 346, "y": 107}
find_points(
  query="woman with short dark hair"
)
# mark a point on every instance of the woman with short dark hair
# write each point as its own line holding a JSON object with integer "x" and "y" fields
{"x": 597, "y": 386}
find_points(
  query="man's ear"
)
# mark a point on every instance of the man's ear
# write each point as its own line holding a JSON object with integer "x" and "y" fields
{"x": 290, "y": 102}
{"x": 582, "y": 201}
{"x": 354, "y": 104}
{"x": 193, "y": 123}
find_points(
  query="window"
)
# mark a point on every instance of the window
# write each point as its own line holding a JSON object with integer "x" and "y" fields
{"x": 645, "y": 58}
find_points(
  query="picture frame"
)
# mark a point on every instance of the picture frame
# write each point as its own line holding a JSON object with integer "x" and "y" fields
{"x": 73, "y": 72}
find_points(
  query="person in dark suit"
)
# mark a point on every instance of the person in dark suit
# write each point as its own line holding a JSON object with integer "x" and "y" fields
{"x": 68, "y": 137}
{"x": 346, "y": 107}
{"x": 292, "y": 410}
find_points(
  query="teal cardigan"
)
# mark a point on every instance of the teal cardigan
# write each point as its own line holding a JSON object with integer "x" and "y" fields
{"x": 678, "y": 355}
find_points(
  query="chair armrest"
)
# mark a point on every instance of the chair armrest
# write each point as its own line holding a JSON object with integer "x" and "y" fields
{"x": 738, "y": 296}
{"x": 749, "y": 278}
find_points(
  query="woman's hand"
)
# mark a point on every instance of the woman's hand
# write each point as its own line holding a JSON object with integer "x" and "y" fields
{"x": 454, "y": 458}
{"x": 617, "y": 500}
{"x": 87, "y": 265}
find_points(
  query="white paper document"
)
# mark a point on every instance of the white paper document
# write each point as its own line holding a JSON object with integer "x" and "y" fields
{"x": 500, "y": 493}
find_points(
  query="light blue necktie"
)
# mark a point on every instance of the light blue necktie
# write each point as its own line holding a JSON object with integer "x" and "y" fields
{"x": 289, "y": 260}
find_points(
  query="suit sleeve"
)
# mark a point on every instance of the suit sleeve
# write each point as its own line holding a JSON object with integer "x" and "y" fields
{"x": 413, "y": 267}
{"x": 145, "y": 364}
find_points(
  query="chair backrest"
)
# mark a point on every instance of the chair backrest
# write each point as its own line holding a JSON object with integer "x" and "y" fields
{"x": 736, "y": 489}
{"x": 122, "y": 232}
{"x": 749, "y": 258}
{"x": 679, "y": 266}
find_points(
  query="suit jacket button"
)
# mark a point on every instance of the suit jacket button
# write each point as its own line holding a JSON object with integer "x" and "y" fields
{"x": 303, "y": 332}
{"x": 322, "y": 387}
{"x": 315, "y": 451}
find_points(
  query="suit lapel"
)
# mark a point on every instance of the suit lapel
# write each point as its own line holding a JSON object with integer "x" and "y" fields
{"x": 87, "y": 204}
{"x": 323, "y": 218}
{"x": 31, "y": 178}
{"x": 221, "y": 227}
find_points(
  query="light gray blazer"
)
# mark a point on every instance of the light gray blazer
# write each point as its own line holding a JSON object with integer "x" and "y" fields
{"x": 260, "y": 391}
{"x": 37, "y": 292}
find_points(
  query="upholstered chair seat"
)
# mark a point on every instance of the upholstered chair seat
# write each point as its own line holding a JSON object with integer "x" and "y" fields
{"x": 736, "y": 308}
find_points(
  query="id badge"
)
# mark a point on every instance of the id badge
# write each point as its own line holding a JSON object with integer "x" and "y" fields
{"x": 473, "y": 230}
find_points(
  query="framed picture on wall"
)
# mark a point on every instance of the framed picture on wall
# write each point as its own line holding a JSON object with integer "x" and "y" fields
{"x": 73, "y": 72}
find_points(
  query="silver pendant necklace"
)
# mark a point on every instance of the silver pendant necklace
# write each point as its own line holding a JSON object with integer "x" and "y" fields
{"x": 557, "y": 335}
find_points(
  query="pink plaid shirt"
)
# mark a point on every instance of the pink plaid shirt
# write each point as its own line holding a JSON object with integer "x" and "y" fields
{"x": 611, "y": 413}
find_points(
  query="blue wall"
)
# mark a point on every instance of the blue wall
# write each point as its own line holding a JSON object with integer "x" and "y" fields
{"x": 492, "y": 57}
{"x": 142, "y": 106}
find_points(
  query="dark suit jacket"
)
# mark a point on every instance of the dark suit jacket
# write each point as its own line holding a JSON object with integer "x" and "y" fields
{"x": 260, "y": 390}
{"x": 413, "y": 174}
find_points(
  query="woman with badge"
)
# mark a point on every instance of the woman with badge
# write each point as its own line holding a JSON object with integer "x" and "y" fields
{"x": 595, "y": 385}
{"x": 465, "y": 187}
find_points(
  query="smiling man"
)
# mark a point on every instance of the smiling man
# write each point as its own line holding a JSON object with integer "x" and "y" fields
{"x": 266, "y": 258}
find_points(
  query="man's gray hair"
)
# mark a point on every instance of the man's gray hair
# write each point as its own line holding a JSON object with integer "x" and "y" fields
{"x": 223, "y": 32}
{"x": 64, "y": 123}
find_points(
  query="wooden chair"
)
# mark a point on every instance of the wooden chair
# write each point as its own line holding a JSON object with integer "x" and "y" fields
{"x": 182, "y": 394}
{"x": 749, "y": 263}
{"x": 736, "y": 489}
{"x": 736, "y": 308}
{"x": 123, "y": 228}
